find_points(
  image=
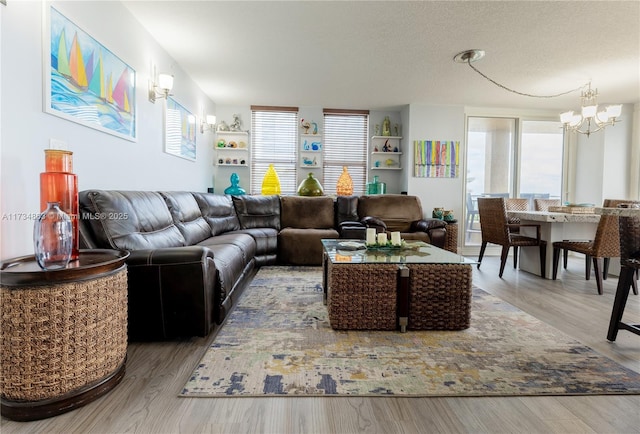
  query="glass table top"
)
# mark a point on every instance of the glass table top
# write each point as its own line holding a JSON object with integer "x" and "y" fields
{"x": 342, "y": 251}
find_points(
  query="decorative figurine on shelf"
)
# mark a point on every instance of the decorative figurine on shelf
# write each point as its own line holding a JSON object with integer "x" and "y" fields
{"x": 306, "y": 146}
{"x": 234, "y": 188}
{"x": 377, "y": 133}
{"x": 386, "y": 147}
{"x": 236, "y": 125}
{"x": 305, "y": 125}
{"x": 386, "y": 126}
{"x": 315, "y": 127}
{"x": 396, "y": 129}
{"x": 316, "y": 146}
{"x": 344, "y": 186}
{"x": 307, "y": 162}
{"x": 222, "y": 143}
{"x": 390, "y": 162}
{"x": 222, "y": 126}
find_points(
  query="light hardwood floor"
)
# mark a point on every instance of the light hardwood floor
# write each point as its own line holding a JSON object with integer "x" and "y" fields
{"x": 146, "y": 401}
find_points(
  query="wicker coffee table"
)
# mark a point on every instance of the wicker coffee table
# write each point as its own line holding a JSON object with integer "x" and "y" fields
{"x": 418, "y": 287}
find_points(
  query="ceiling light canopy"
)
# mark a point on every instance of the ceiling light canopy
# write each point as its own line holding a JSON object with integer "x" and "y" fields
{"x": 588, "y": 121}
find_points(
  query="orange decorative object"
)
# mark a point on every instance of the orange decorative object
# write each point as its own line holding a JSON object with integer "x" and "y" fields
{"x": 344, "y": 187}
{"x": 270, "y": 182}
{"x": 59, "y": 184}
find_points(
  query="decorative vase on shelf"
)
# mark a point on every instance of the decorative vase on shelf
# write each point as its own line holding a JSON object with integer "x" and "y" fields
{"x": 376, "y": 187}
{"x": 310, "y": 187}
{"x": 234, "y": 189}
{"x": 386, "y": 126}
{"x": 344, "y": 187}
{"x": 437, "y": 213}
{"x": 270, "y": 182}
{"x": 59, "y": 184}
{"x": 53, "y": 238}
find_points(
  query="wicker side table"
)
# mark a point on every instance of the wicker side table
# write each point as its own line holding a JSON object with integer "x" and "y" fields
{"x": 63, "y": 333}
{"x": 451, "y": 243}
{"x": 362, "y": 296}
{"x": 439, "y": 296}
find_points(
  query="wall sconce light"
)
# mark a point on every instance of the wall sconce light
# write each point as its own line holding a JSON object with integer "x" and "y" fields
{"x": 162, "y": 88}
{"x": 208, "y": 123}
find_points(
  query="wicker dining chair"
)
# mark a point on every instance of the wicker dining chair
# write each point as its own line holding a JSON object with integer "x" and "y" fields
{"x": 496, "y": 229}
{"x": 516, "y": 204}
{"x": 605, "y": 245}
{"x": 544, "y": 204}
{"x": 630, "y": 265}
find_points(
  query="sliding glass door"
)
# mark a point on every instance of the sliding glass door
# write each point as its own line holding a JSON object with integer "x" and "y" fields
{"x": 510, "y": 157}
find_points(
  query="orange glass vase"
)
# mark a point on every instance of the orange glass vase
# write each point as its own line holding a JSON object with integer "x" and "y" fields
{"x": 59, "y": 184}
{"x": 344, "y": 186}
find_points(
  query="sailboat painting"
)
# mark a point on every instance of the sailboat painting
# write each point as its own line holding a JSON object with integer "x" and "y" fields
{"x": 179, "y": 131}
{"x": 87, "y": 83}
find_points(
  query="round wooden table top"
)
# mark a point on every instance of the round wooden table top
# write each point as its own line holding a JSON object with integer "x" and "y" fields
{"x": 26, "y": 271}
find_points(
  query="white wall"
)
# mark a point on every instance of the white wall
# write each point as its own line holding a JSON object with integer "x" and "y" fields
{"x": 428, "y": 122}
{"x": 605, "y": 161}
{"x": 101, "y": 160}
{"x": 616, "y": 174}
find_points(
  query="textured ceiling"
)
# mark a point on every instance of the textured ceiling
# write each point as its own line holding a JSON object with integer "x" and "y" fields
{"x": 382, "y": 54}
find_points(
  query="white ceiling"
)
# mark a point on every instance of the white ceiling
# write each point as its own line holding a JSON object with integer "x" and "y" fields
{"x": 384, "y": 54}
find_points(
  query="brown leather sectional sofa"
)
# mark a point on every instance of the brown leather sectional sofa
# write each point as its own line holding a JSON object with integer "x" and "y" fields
{"x": 190, "y": 253}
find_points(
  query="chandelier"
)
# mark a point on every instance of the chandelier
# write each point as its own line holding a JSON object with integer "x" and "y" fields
{"x": 588, "y": 121}
{"x": 589, "y": 116}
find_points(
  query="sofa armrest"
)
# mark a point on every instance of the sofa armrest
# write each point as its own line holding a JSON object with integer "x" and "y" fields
{"x": 436, "y": 229}
{"x": 425, "y": 225}
{"x": 374, "y": 222}
{"x": 352, "y": 230}
{"x": 171, "y": 292}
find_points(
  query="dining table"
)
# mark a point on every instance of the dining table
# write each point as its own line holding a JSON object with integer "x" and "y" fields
{"x": 554, "y": 226}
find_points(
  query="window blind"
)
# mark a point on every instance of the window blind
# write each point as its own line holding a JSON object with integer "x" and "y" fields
{"x": 274, "y": 139}
{"x": 345, "y": 144}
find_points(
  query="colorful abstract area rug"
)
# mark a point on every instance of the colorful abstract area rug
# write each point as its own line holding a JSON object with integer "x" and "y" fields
{"x": 278, "y": 342}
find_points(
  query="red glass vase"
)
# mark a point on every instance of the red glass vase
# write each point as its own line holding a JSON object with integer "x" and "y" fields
{"x": 59, "y": 184}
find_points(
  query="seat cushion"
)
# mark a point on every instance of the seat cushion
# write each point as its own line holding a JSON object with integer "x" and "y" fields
{"x": 302, "y": 246}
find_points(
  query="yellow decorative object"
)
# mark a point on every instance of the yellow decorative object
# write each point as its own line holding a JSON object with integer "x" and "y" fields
{"x": 270, "y": 182}
{"x": 344, "y": 187}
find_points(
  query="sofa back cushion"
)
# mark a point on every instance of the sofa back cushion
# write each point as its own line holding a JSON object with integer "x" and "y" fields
{"x": 397, "y": 211}
{"x": 130, "y": 220}
{"x": 257, "y": 211}
{"x": 305, "y": 212}
{"x": 346, "y": 209}
{"x": 218, "y": 211}
{"x": 187, "y": 216}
